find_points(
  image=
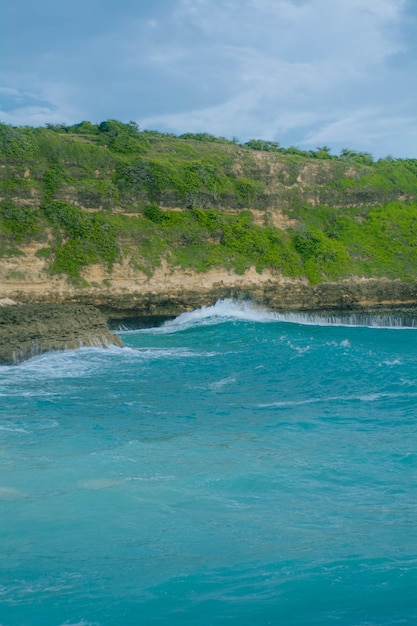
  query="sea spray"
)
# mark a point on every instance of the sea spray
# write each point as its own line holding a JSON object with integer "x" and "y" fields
{"x": 235, "y": 310}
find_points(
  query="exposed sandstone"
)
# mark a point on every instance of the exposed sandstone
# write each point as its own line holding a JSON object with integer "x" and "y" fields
{"x": 128, "y": 292}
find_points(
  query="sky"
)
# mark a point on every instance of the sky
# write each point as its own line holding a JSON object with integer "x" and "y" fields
{"x": 306, "y": 73}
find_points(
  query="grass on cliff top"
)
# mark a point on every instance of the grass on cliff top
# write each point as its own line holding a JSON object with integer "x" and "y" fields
{"x": 114, "y": 164}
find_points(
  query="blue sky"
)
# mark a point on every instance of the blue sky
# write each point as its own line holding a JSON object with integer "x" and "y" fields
{"x": 341, "y": 73}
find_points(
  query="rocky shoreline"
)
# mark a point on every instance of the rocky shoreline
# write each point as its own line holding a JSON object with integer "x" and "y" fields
{"x": 31, "y": 324}
{"x": 27, "y": 330}
{"x": 356, "y": 295}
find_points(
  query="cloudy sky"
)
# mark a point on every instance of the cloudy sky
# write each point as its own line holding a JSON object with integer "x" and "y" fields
{"x": 341, "y": 73}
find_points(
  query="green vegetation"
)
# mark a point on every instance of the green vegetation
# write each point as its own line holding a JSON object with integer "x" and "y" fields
{"x": 81, "y": 238}
{"x": 18, "y": 221}
{"x": 98, "y": 193}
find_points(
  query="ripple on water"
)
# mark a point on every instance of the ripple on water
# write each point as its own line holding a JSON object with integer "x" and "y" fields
{"x": 223, "y": 470}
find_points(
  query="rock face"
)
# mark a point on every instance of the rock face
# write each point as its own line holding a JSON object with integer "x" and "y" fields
{"x": 128, "y": 292}
{"x": 289, "y": 295}
{"x": 172, "y": 295}
{"x": 54, "y": 315}
{"x": 30, "y": 329}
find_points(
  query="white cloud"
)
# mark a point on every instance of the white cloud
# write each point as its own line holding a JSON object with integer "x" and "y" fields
{"x": 302, "y": 72}
{"x": 38, "y": 116}
{"x": 367, "y": 128}
{"x": 293, "y": 65}
{"x": 51, "y": 103}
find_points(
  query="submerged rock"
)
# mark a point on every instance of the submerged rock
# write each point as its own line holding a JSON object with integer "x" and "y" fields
{"x": 27, "y": 330}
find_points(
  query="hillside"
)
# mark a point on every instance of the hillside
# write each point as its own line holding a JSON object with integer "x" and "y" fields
{"x": 92, "y": 212}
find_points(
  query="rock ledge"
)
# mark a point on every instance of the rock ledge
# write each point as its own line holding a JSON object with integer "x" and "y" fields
{"x": 28, "y": 330}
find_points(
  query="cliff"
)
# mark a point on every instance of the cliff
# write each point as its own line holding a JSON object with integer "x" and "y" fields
{"x": 125, "y": 293}
{"x": 142, "y": 224}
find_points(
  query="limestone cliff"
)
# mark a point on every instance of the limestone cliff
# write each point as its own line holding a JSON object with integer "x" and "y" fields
{"x": 41, "y": 313}
{"x": 139, "y": 224}
{"x": 126, "y": 292}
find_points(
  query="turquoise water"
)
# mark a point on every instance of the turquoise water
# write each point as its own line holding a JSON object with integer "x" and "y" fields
{"x": 230, "y": 467}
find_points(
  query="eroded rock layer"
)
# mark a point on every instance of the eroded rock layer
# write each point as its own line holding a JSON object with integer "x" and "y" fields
{"x": 27, "y": 330}
{"x": 45, "y": 318}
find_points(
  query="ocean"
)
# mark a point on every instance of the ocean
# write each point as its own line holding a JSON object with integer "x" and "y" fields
{"x": 233, "y": 466}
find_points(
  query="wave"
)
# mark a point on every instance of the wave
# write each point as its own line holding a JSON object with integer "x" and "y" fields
{"x": 229, "y": 310}
{"x": 371, "y": 397}
{"x": 9, "y": 493}
{"x": 13, "y": 430}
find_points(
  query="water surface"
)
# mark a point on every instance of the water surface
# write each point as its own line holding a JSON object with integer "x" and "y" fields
{"x": 231, "y": 467}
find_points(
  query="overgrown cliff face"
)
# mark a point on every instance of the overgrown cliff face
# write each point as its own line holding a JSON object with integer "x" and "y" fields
{"x": 112, "y": 214}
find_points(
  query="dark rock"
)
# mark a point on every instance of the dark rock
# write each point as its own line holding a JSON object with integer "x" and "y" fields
{"x": 27, "y": 330}
{"x": 355, "y": 295}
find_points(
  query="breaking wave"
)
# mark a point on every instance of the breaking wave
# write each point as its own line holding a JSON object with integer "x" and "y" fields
{"x": 229, "y": 310}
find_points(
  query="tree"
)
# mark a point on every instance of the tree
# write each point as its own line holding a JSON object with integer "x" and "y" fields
{"x": 263, "y": 144}
{"x": 84, "y": 128}
{"x": 120, "y": 137}
{"x": 323, "y": 152}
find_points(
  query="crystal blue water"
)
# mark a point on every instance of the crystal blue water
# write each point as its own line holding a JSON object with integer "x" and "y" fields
{"x": 230, "y": 467}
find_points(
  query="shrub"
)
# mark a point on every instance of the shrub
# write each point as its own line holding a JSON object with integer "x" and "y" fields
{"x": 321, "y": 255}
{"x": 18, "y": 220}
{"x": 71, "y": 257}
{"x": 154, "y": 213}
{"x": 52, "y": 180}
{"x": 90, "y": 238}
{"x": 122, "y": 138}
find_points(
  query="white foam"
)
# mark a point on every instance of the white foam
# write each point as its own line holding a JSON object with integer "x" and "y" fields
{"x": 81, "y": 362}
{"x": 170, "y": 353}
{"x": 396, "y": 361}
{"x": 236, "y": 310}
{"x": 223, "y": 310}
{"x": 223, "y": 382}
{"x": 81, "y": 623}
{"x": 300, "y": 350}
{"x": 372, "y": 397}
{"x": 99, "y": 483}
{"x": 13, "y": 430}
{"x": 218, "y": 384}
{"x": 9, "y": 493}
